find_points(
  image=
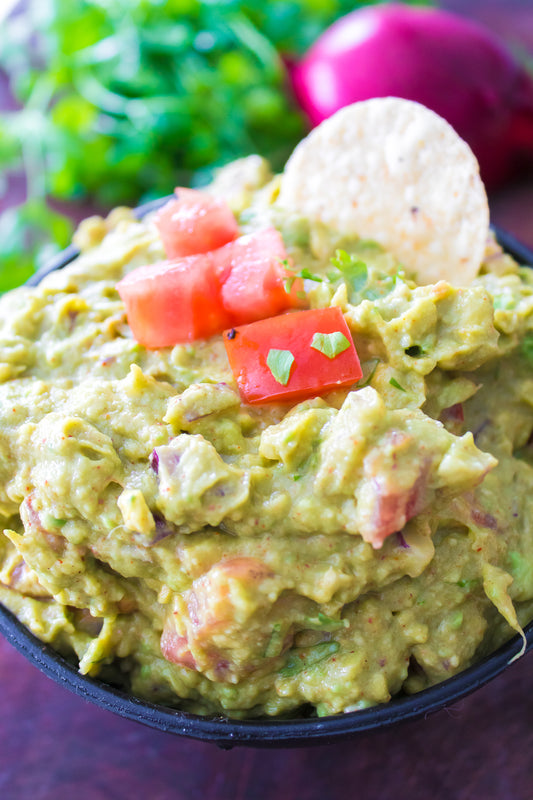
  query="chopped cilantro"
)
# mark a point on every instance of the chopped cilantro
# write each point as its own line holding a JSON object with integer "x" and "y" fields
{"x": 288, "y": 282}
{"x": 323, "y": 622}
{"x": 456, "y": 620}
{"x": 503, "y": 302}
{"x": 330, "y": 344}
{"x": 415, "y": 351}
{"x": 515, "y": 559}
{"x": 279, "y": 363}
{"x": 394, "y": 382}
{"x": 113, "y": 107}
{"x": 302, "y": 657}
{"x": 369, "y": 369}
{"x": 304, "y": 273}
{"x": 469, "y": 585}
{"x": 352, "y": 269}
{"x": 374, "y": 294}
{"x": 521, "y": 570}
{"x": 54, "y": 522}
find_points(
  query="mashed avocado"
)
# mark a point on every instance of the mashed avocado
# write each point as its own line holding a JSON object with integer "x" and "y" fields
{"x": 217, "y": 556}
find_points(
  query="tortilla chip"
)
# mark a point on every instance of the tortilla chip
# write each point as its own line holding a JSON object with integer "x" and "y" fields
{"x": 393, "y": 171}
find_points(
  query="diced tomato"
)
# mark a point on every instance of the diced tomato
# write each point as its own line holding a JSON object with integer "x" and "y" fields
{"x": 174, "y": 301}
{"x": 258, "y": 279}
{"x": 197, "y": 296}
{"x": 388, "y": 504}
{"x": 195, "y": 222}
{"x": 214, "y": 607}
{"x": 175, "y": 648}
{"x": 312, "y": 372}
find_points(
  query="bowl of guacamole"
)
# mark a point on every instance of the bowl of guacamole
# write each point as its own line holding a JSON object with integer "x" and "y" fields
{"x": 260, "y": 483}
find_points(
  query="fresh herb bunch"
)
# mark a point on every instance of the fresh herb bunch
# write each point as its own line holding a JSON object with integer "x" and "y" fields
{"x": 121, "y": 100}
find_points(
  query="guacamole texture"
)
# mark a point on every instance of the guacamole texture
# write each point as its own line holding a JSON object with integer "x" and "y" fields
{"x": 247, "y": 560}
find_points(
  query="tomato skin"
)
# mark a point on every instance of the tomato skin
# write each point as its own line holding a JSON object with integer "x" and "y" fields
{"x": 255, "y": 286}
{"x": 194, "y": 222}
{"x": 174, "y": 301}
{"x": 312, "y": 372}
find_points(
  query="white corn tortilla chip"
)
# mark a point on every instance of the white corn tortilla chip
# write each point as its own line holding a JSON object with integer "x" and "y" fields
{"x": 395, "y": 172}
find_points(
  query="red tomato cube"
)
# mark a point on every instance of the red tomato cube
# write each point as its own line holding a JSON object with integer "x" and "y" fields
{"x": 172, "y": 302}
{"x": 257, "y": 277}
{"x": 194, "y": 222}
{"x": 302, "y": 370}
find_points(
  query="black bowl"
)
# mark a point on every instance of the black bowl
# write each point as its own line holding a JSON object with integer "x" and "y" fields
{"x": 264, "y": 732}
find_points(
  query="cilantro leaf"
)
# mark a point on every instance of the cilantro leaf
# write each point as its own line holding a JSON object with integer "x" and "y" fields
{"x": 301, "y": 658}
{"x": 303, "y": 273}
{"x": 330, "y": 344}
{"x": 323, "y": 622}
{"x": 306, "y": 273}
{"x": 414, "y": 351}
{"x": 369, "y": 370}
{"x": 353, "y": 270}
{"x": 394, "y": 382}
{"x": 280, "y": 363}
{"x": 288, "y": 284}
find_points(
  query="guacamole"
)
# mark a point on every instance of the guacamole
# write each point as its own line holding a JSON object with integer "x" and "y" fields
{"x": 250, "y": 560}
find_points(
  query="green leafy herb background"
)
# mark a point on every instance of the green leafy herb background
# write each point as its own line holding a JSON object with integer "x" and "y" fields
{"x": 121, "y": 100}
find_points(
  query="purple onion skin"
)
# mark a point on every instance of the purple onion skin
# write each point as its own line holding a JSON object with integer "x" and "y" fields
{"x": 162, "y": 529}
{"x": 452, "y": 65}
{"x": 401, "y": 540}
{"x": 154, "y": 461}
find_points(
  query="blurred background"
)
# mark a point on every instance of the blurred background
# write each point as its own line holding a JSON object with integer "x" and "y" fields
{"x": 113, "y": 102}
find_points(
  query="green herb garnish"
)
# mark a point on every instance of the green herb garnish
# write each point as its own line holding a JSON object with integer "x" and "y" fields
{"x": 371, "y": 372}
{"x": 288, "y": 282}
{"x": 456, "y": 620}
{"x": 394, "y": 382}
{"x": 301, "y": 658}
{"x": 279, "y": 363}
{"x": 414, "y": 351}
{"x": 54, "y": 522}
{"x": 503, "y": 302}
{"x": 353, "y": 270}
{"x": 303, "y": 273}
{"x": 469, "y": 585}
{"x": 521, "y": 569}
{"x": 120, "y": 101}
{"x": 324, "y": 623}
{"x": 330, "y": 344}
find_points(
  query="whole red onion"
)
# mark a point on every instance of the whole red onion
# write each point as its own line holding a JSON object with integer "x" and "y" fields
{"x": 450, "y": 64}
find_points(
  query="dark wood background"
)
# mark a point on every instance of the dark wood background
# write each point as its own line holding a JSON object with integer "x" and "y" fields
{"x": 56, "y": 746}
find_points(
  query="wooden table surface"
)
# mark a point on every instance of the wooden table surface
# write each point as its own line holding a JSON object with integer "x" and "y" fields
{"x": 56, "y": 746}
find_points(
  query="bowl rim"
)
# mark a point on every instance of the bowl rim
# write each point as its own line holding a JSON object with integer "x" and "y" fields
{"x": 262, "y": 732}
{"x": 272, "y": 732}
